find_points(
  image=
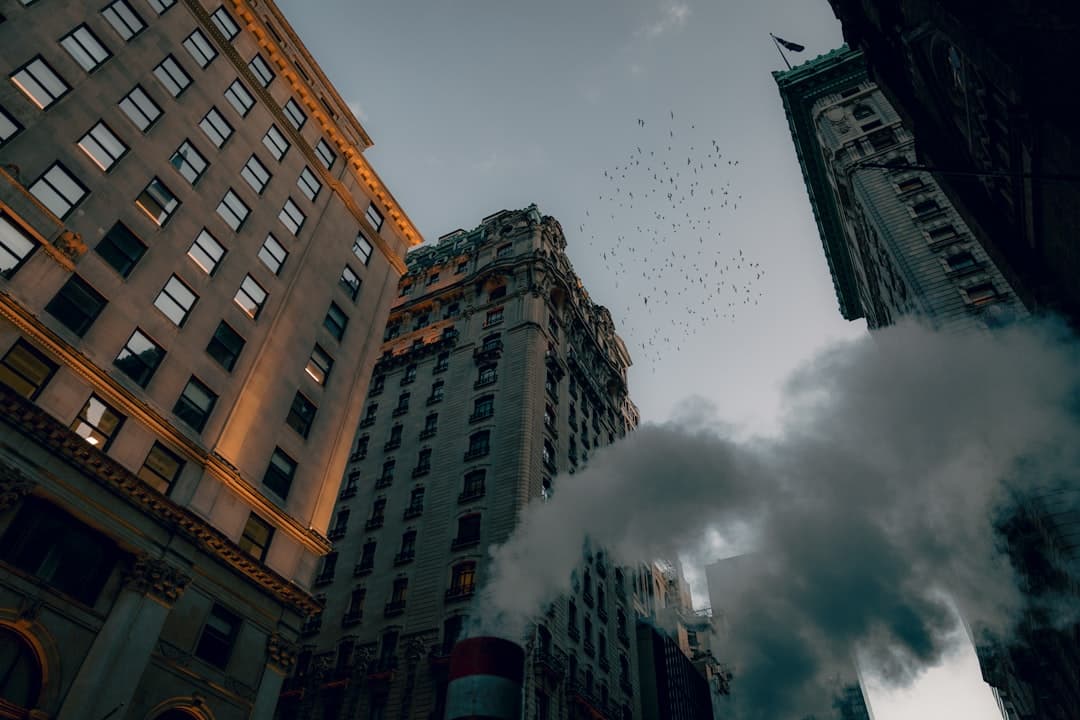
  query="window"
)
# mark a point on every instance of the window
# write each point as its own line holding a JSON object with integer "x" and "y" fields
{"x": 97, "y": 423}
{"x": 189, "y": 162}
{"x": 200, "y": 47}
{"x": 378, "y": 508}
{"x": 255, "y": 540}
{"x": 85, "y": 48}
{"x": 172, "y": 76}
{"x": 140, "y": 108}
{"x": 493, "y": 317}
{"x": 239, "y": 97}
{"x": 405, "y": 290}
{"x": 437, "y": 389}
{"x": 256, "y": 174}
{"x": 161, "y": 468}
{"x": 102, "y": 146}
{"x": 158, "y": 202}
{"x": 195, "y": 404}
{"x": 291, "y": 217}
{"x": 479, "y": 443}
{"x": 431, "y": 423}
{"x": 442, "y": 362}
{"x": 280, "y": 473}
{"x": 206, "y": 252}
{"x": 250, "y": 297}
{"x": 16, "y": 245}
{"x": 326, "y": 155}
{"x": 125, "y": 21}
{"x": 120, "y": 248}
{"x": 25, "y": 369}
{"x": 882, "y": 139}
{"x": 319, "y": 365}
{"x": 483, "y": 407}
{"x": 468, "y": 529}
{"x": 503, "y": 251}
{"x": 76, "y": 305}
{"x": 410, "y": 375}
{"x": 160, "y": 6}
{"x": 218, "y": 637}
{"x": 225, "y": 23}
{"x": 397, "y": 597}
{"x": 395, "y": 434}
{"x": 374, "y": 217}
{"x": 910, "y": 185}
{"x": 40, "y": 83}
{"x": 272, "y": 254}
{"x": 176, "y": 300}
{"x": 261, "y": 69}
{"x": 233, "y": 210}
{"x": 372, "y": 409}
{"x": 349, "y": 282}
{"x": 308, "y": 184}
{"x": 59, "y": 190}
{"x": 961, "y": 261}
{"x": 925, "y": 207}
{"x": 433, "y": 278}
{"x": 861, "y": 112}
{"x": 225, "y": 346}
{"x": 139, "y": 358}
{"x": 486, "y": 375}
{"x": 301, "y": 415}
{"x": 981, "y": 293}
{"x": 295, "y": 115}
{"x": 216, "y": 127}
{"x": 408, "y": 545}
{"x": 462, "y": 267}
{"x": 474, "y": 484}
{"x": 275, "y": 142}
{"x": 9, "y": 127}
{"x": 945, "y": 232}
{"x": 356, "y": 604}
{"x": 402, "y": 404}
{"x": 367, "y": 555}
{"x": 329, "y": 566}
{"x": 335, "y": 321}
{"x": 362, "y": 249}
{"x": 463, "y": 578}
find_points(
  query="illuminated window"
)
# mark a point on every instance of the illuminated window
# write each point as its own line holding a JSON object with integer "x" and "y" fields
{"x": 97, "y": 423}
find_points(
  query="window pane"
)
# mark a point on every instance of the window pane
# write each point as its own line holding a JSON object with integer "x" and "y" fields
{"x": 124, "y": 19}
{"x": 40, "y": 83}
{"x": 256, "y": 538}
{"x": 272, "y": 254}
{"x": 326, "y": 155}
{"x": 161, "y": 468}
{"x": 85, "y": 48}
{"x": 276, "y": 143}
{"x": 103, "y": 147}
{"x": 58, "y": 190}
{"x": 218, "y": 636}
{"x": 225, "y": 23}
{"x": 25, "y": 369}
{"x": 233, "y": 210}
{"x": 301, "y": 415}
{"x": 261, "y": 69}
{"x": 250, "y": 297}
{"x": 176, "y": 300}
{"x": 295, "y": 114}
{"x": 349, "y": 282}
{"x": 172, "y": 76}
{"x": 308, "y": 184}
{"x": 9, "y": 127}
{"x": 76, "y": 305}
{"x": 160, "y": 6}
{"x": 239, "y": 97}
{"x": 189, "y": 162}
{"x": 216, "y": 128}
{"x": 206, "y": 251}
{"x": 291, "y": 217}
{"x": 319, "y": 365}
{"x": 158, "y": 202}
{"x": 200, "y": 48}
{"x": 279, "y": 474}
{"x": 97, "y": 423}
{"x": 256, "y": 174}
{"x": 16, "y": 245}
{"x": 335, "y": 321}
{"x": 139, "y": 358}
{"x": 362, "y": 249}
{"x": 195, "y": 404}
{"x": 225, "y": 346}
{"x": 374, "y": 217}
{"x": 140, "y": 108}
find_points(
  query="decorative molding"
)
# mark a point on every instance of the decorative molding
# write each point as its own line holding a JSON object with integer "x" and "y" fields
{"x": 157, "y": 578}
{"x": 281, "y": 653}
{"x": 14, "y": 486}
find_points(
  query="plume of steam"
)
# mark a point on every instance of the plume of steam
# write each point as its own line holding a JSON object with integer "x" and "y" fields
{"x": 868, "y": 510}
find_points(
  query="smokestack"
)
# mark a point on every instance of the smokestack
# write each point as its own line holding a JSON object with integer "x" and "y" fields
{"x": 485, "y": 680}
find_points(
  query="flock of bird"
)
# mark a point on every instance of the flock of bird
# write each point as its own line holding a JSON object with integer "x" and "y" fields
{"x": 657, "y": 226}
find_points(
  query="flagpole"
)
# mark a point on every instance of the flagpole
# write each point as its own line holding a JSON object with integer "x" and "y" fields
{"x": 782, "y": 55}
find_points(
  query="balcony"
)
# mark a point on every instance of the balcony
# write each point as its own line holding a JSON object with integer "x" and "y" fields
{"x": 347, "y": 492}
{"x": 336, "y": 533}
{"x": 368, "y": 421}
{"x": 394, "y": 608}
{"x": 400, "y": 410}
{"x": 405, "y": 556}
{"x": 324, "y": 578}
{"x": 481, "y": 415}
{"x": 357, "y": 456}
{"x": 352, "y": 617}
{"x": 375, "y": 390}
{"x": 470, "y": 494}
{"x": 374, "y": 523}
{"x": 488, "y": 352}
{"x": 434, "y": 399}
{"x": 476, "y": 452}
{"x": 384, "y": 481}
{"x": 312, "y": 625}
{"x": 460, "y": 543}
{"x": 427, "y": 433}
{"x": 484, "y": 382}
{"x": 464, "y": 592}
{"x": 362, "y": 569}
{"x": 413, "y": 511}
{"x": 391, "y": 445}
{"x": 421, "y": 470}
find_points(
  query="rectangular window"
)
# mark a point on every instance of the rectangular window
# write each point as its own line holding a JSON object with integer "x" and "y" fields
{"x": 945, "y": 232}
{"x": 272, "y": 254}
{"x": 216, "y": 127}
{"x": 200, "y": 48}
{"x": 261, "y": 69}
{"x": 362, "y": 249}
{"x": 176, "y": 300}
{"x": 233, "y": 210}
{"x": 25, "y": 369}
{"x": 125, "y": 21}
{"x": 9, "y": 127}
{"x": 319, "y": 365}
{"x": 335, "y": 321}
{"x": 250, "y": 297}
{"x": 291, "y": 217}
{"x": 239, "y": 97}
{"x": 349, "y": 282}
{"x": 195, "y": 404}
{"x": 981, "y": 293}
{"x": 76, "y": 305}
{"x": 255, "y": 540}
{"x": 121, "y": 249}
{"x": 276, "y": 143}
{"x": 326, "y": 155}
{"x": 374, "y": 217}
{"x": 140, "y": 108}
{"x": 256, "y": 174}
{"x": 158, "y": 202}
{"x": 910, "y": 185}
{"x": 218, "y": 637}
{"x": 40, "y": 83}
{"x": 225, "y": 346}
{"x": 189, "y": 162}
{"x": 206, "y": 252}
{"x": 85, "y": 48}
{"x": 295, "y": 114}
{"x": 59, "y": 190}
{"x": 161, "y": 468}
{"x": 140, "y": 358}
{"x": 309, "y": 184}
{"x": 280, "y": 473}
{"x": 160, "y": 6}
{"x": 172, "y": 76}
{"x": 925, "y": 207}
{"x": 16, "y": 245}
{"x": 301, "y": 415}
{"x": 97, "y": 423}
{"x": 225, "y": 23}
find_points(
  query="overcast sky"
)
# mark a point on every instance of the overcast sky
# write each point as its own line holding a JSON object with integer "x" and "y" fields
{"x": 480, "y": 105}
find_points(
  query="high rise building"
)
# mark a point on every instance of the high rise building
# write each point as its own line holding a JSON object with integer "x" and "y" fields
{"x": 894, "y": 242}
{"x": 498, "y": 374}
{"x": 195, "y": 257}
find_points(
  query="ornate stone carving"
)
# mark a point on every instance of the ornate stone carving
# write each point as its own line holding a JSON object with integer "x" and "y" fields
{"x": 281, "y": 653}
{"x": 155, "y": 577}
{"x": 70, "y": 244}
{"x": 14, "y": 486}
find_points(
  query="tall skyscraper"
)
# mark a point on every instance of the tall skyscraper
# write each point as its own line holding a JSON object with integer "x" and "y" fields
{"x": 498, "y": 373}
{"x": 194, "y": 257}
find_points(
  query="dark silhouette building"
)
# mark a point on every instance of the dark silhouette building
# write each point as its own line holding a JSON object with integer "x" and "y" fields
{"x": 671, "y": 687}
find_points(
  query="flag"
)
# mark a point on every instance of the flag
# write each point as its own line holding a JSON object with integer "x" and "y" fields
{"x": 793, "y": 47}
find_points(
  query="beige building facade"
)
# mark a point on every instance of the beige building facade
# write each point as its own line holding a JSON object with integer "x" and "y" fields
{"x": 196, "y": 261}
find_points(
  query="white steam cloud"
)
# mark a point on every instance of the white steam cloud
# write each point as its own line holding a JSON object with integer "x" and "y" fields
{"x": 873, "y": 504}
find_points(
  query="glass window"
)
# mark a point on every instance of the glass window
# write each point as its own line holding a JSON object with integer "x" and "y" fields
{"x": 261, "y": 69}
{"x": 362, "y": 249}
{"x": 308, "y": 184}
{"x": 160, "y": 6}
{"x": 195, "y": 404}
{"x": 255, "y": 540}
{"x": 275, "y": 142}
{"x": 85, "y": 48}
{"x": 120, "y": 248}
{"x": 319, "y": 365}
{"x": 140, "y": 108}
{"x": 124, "y": 19}
{"x": 206, "y": 252}
{"x": 25, "y": 369}
{"x": 272, "y": 254}
{"x": 256, "y": 174}
{"x": 239, "y": 97}
{"x": 279, "y": 473}
{"x": 158, "y": 202}
{"x": 295, "y": 115}
{"x": 59, "y": 190}
{"x": 189, "y": 162}
{"x": 233, "y": 210}
{"x": 301, "y": 415}
{"x": 225, "y": 23}
{"x": 76, "y": 305}
{"x": 172, "y": 76}
{"x": 161, "y": 468}
{"x": 200, "y": 47}
{"x": 291, "y": 217}
{"x": 97, "y": 423}
{"x": 9, "y": 127}
{"x": 16, "y": 245}
{"x": 250, "y": 297}
{"x": 139, "y": 358}
{"x": 176, "y": 300}
{"x": 216, "y": 127}
{"x": 335, "y": 321}
{"x": 349, "y": 282}
{"x": 40, "y": 83}
{"x": 225, "y": 346}
{"x": 374, "y": 217}
{"x": 218, "y": 637}
{"x": 326, "y": 155}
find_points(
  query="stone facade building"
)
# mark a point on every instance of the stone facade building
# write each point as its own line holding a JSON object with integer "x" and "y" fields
{"x": 195, "y": 263}
{"x": 498, "y": 374}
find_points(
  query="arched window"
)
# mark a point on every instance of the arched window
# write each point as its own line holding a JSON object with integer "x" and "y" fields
{"x": 20, "y": 672}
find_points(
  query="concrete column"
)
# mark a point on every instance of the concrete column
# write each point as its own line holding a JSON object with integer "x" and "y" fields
{"x": 111, "y": 671}
{"x": 280, "y": 657}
